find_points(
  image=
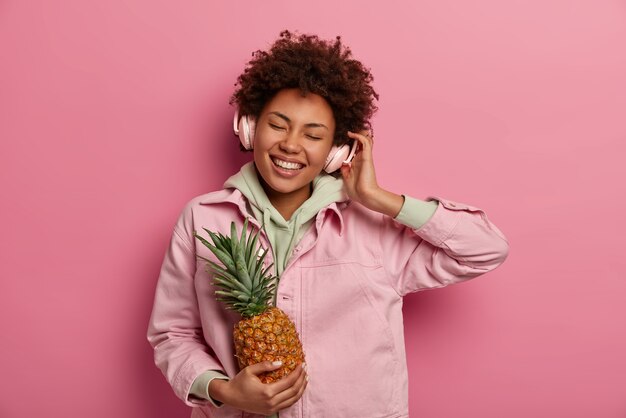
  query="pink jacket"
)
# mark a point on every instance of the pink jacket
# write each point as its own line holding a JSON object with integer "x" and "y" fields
{"x": 343, "y": 288}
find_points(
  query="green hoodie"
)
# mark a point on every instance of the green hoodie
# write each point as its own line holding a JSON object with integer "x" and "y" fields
{"x": 284, "y": 235}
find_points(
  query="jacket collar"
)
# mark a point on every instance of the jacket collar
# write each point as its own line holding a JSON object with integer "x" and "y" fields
{"x": 236, "y": 198}
{"x": 333, "y": 208}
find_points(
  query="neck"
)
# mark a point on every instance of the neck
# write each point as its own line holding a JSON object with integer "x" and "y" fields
{"x": 287, "y": 204}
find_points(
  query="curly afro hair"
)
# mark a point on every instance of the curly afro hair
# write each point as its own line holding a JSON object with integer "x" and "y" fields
{"x": 325, "y": 68}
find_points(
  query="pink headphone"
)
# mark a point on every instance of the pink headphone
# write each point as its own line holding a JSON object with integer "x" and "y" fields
{"x": 244, "y": 128}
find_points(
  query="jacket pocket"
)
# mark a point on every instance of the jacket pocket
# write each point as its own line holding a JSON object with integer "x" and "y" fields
{"x": 351, "y": 357}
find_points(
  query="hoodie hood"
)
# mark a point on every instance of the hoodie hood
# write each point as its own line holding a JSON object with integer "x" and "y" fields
{"x": 282, "y": 234}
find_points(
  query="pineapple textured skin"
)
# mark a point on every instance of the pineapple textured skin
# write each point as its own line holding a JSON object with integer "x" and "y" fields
{"x": 270, "y": 336}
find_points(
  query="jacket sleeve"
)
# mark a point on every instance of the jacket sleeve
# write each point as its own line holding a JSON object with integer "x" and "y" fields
{"x": 175, "y": 330}
{"x": 429, "y": 250}
{"x": 200, "y": 386}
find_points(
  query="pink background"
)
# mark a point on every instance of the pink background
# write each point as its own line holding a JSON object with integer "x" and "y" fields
{"x": 114, "y": 114}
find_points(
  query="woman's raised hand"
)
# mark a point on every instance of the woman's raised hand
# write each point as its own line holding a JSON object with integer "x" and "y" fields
{"x": 360, "y": 179}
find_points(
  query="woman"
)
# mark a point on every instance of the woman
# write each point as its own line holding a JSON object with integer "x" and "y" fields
{"x": 346, "y": 250}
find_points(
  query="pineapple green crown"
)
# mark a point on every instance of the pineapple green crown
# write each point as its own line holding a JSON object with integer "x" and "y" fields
{"x": 245, "y": 286}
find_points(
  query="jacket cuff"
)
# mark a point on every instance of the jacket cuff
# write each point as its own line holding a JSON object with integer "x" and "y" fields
{"x": 415, "y": 213}
{"x": 200, "y": 387}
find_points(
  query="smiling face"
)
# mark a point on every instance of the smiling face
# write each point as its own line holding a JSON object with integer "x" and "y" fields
{"x": 293, "y": 137}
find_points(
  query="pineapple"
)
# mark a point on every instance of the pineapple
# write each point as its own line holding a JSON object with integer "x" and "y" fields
{"x": 265, "y": 332}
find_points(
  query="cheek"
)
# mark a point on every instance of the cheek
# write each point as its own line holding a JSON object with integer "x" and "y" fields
{"x": 260, "y": 150}
{"x": 263, "y": 142}
{"x": 320, "y": 154}
{"x": 256, "y": 153}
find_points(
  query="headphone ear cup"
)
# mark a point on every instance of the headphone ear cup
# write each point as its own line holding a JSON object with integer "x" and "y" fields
{"x": 339, "y": 155}
{"x": 246, "y": 129}
{"x": 336, "y": 157}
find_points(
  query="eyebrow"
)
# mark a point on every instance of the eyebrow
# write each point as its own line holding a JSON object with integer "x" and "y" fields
{"x": 308, "y": 125}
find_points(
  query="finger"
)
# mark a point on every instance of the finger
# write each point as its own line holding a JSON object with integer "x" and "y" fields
{"x": 264, "y": 366}
{"x": 365, "y": 144}
{"x": 367, "y": 134}
{"x": 291, "y": 395}
{"x": 290, "y": 401}
{"x": 292, "y": 391}
{"x": 366, "y": 141}
{"x": 287, "y": 382}
{"x": 345, "y": 170}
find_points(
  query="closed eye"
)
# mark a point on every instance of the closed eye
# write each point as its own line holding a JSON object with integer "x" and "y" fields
{"x": 313, "y": 137}
{"x": 278, "y": 128}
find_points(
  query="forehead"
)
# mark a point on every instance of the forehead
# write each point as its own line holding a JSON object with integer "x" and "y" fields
{"x": 301, "y": 108}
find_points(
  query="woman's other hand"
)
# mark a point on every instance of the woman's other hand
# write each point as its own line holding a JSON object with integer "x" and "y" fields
{"x": 246, "y": 391}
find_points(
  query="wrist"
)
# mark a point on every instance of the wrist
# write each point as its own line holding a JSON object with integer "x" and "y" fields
{"x": 385, "y": 202}
{"x": 218, "y": 390}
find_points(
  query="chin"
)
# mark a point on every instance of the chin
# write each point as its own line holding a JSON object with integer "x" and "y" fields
{"x": 286, "y": 187}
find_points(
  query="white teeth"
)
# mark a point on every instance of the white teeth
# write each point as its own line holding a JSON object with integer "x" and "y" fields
{"x": 287, "y": 165}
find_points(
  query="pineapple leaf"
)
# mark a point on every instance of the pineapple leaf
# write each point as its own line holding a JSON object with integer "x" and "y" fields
{"x": 266, "y": 271}
{"x": 256, "y": 270}
{"x": 242, "y": 283}
{"x": 226, "y": 243}
{"x": 240, "y": 265}
{"x": 202, "y": 240}
{"x": 233, "y": 294}
{"x": 203, "y": 258}
{"x": 256, "y": 277}
{"x": 229, "y": 283}
{"x": 242, "y": 240}
{"x": 233, "y": 236}
{"x": 251, "y": 245}
{"x": 221, "y": 270}
{"x": 250, "y": 256}
{"x": 225, "y": 258}
{"x": 219, "y": 241}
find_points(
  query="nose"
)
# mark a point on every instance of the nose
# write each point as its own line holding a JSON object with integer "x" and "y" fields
{"x": 291, "y": 143}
